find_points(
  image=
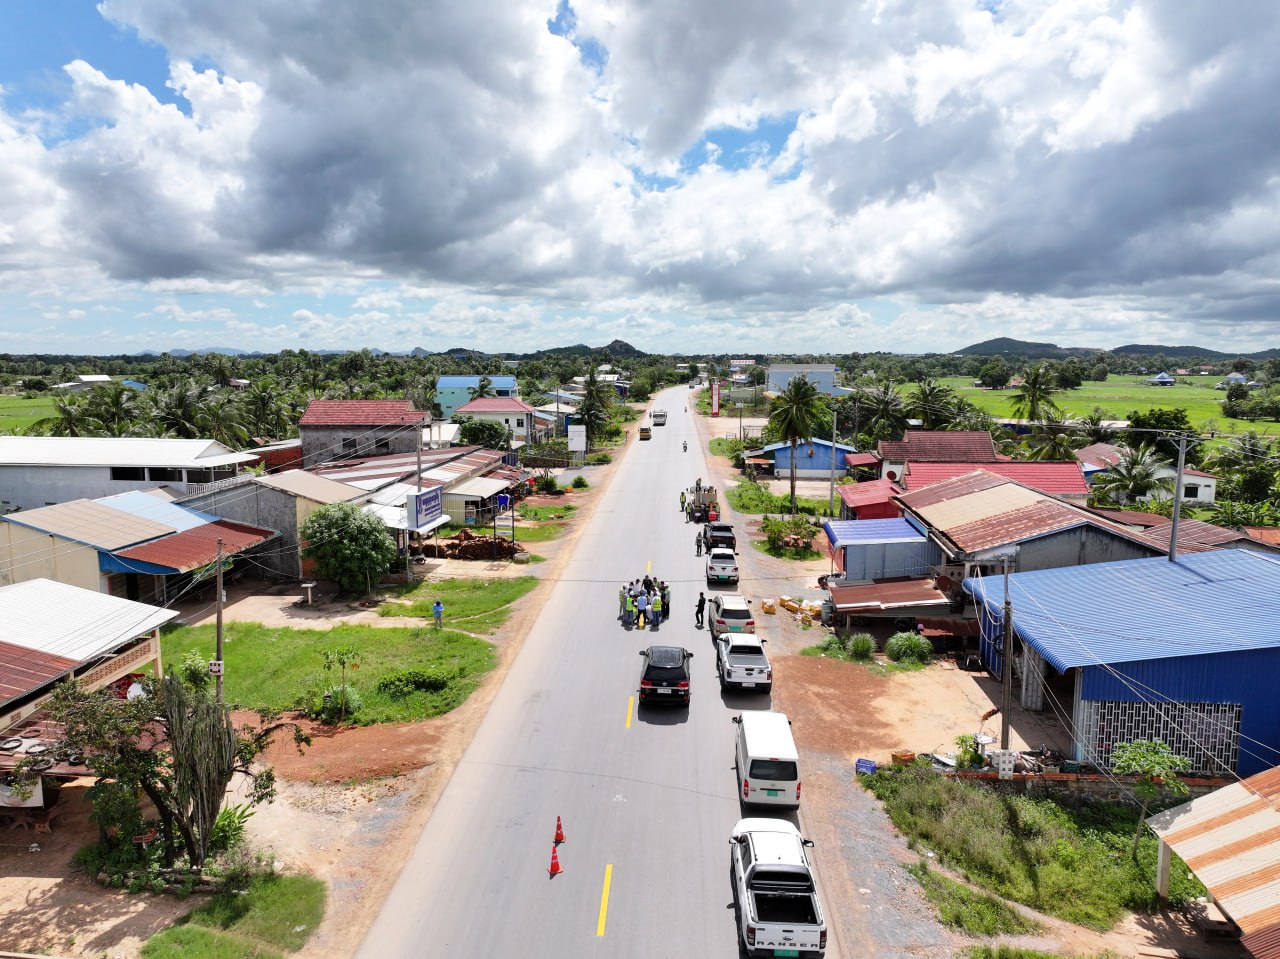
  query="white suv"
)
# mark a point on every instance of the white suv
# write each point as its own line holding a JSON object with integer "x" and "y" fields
{"x": 730, "y": 613}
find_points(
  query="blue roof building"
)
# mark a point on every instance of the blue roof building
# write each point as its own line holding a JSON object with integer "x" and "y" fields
{"x": 1186, "y": 652}
{"x": 455, "y": 391}
{"x": 870, "y": 549}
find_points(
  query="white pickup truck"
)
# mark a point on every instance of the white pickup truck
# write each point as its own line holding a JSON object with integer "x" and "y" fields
{"x": 741, "y": 662}
{"x": 722, "y": 566}
{"x": 774, "y": 895}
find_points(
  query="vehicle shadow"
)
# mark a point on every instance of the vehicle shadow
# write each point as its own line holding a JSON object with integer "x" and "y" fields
{"x": 742, "y": 699}
{"x": 661, "y": 715}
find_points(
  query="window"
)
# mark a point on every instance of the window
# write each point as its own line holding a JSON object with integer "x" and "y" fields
{"x": 199, "y": 476}
{"x": 164, "y": 474}
{"x": 520, "y": 422}
{"x": 777, "y": 770}
{"x": 128, "y": 473}
{"x": 1191, "y": 492}
{"x": 348, "y": 446}
{"x": 382, "y": 448}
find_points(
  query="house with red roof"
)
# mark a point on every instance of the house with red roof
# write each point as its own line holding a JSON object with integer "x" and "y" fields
{"x": 342, "y": 429}
{"x": 1065, "y": 480}
{"x": 517, "y": 416}
{"x": 935, "y": 446}
{"x": 1198, "y": 487}
{"x": 871, "y": 500}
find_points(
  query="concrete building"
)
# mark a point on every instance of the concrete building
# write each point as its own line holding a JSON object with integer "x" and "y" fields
{"x": 455, "y": 391}
{"x": 342, "y": 429}
{"x": 37, "y": 471}
{"x": 515, "y": 415}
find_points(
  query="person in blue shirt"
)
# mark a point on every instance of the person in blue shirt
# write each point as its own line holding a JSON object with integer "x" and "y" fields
{"x": 437, "y": 611}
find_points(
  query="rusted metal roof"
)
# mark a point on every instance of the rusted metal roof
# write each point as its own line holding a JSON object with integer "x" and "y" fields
{"x": 1264, "y": 534}
{"x": 1194, "y": 536}
{"x": 197, "y": 547}
{"x": 1129, "y": 517}
{"x": 88, "y": 521}
{"x": 940, "y": 446}
{"x": 1058, "y": 479}
{"x": 887, "y": 595}
{"x": 854, "y": 460}
{"x": 955, "y": 487}
{"x": 1231, "y": 840}
{"x": 1012, "y": 525}
{"x": 865, "y": 494}
{"x": 23, "y": 669}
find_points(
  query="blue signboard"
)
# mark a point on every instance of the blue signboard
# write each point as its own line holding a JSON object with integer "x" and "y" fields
{"x": 504, "y": 501}
{"x": 426, "y": 506}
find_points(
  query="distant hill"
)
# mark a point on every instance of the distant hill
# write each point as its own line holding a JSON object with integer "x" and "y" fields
{"x": 1148, "y": 349}
{"x": 225, "y": 350}
{"x": 1006, "y": 346}
{"x": 618, "y": 348}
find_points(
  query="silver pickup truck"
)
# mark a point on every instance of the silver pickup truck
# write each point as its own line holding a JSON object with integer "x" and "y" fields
{"x": 741, "y": 662}
{"x": 774, "y": 895}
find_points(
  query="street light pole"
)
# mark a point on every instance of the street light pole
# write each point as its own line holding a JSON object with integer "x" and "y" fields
{"x": 218, "y": 626}
{"x": 831, "y": 498}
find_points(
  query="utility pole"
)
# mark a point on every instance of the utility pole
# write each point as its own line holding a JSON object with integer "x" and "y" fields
{"x": 1177, "y": 500}
{"x": 831, "y": 499}
{"x": 217, "y": 655}
{"x": 1006, "y": 663}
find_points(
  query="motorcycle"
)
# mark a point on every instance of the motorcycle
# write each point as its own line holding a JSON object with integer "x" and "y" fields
{"x": 686, "y": 447}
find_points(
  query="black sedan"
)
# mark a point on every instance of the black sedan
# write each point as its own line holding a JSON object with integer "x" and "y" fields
{"x": 664, "y": 677}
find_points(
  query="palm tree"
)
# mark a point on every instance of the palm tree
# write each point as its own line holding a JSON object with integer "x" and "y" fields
{"x": 116, "y": 407}
{"x": 798, "y": 412}
{"x": 71, "y": 417}
{"x": 264, "y": 409}
{"x": 593, "y": 411}
{"x": 176, "y": 411}
{"x": 1033, "y": 400}
{"x": 1052, "y": 446}
{"x": 933, "y": 404}
{"x": 482, "y": 389}
{"x": 888, "y": 414}
{"x": 1136, "y": 476}
{"x": 1092, "y": 424}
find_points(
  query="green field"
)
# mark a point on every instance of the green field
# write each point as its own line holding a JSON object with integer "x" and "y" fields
{"x": 17, "y": 413}
{"x": 1118, "y": 396}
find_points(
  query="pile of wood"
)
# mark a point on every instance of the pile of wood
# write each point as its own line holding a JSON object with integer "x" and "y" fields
{"x": 467, "y": 545}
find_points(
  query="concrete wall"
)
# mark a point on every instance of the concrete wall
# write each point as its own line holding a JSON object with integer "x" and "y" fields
{"x": 1078, "y": 547}
{"x": 27, "y": 554}
{"x": 269, "y": 508}
{"x": 30, "y": 487}
{"x": 320, "y": 444}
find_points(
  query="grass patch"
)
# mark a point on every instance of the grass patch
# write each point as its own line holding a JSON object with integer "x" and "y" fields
{"x": 282, "y": 668}
{"x": 1071, "y": 862}
{"x": 468, "y": 603}
{"x": 756, "y": 498}
{"x": 542, "y": 533}
{"x": 727, "y": 446}
{"x": 17, "y": 412}
{"x": 878, "y": 667}
{"x": 1015, "y": 952}
{"x": 976, "y": 913}
{"x": 783, "y": 552}
{"x": 538, "y": 514}
{"x": 276, "y": 911}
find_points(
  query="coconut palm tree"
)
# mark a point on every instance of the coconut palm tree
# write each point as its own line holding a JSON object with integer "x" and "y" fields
{"x": 116, "y": 407}
{"x": 482, "y": 389}
{"x": 71, "y": 417}
{"x": 933, "y": 404}
{"x": 1136, "y": 476}
{"x": 888, "y": 415}
{"x": 798, "y": 412}
{"x": 593, "y": 411}
{"x": 1033, "y": 400}
{"x": 1052, "y": 445}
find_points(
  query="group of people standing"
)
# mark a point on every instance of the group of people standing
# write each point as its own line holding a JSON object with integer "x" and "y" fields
{"x": 644, "y": 602}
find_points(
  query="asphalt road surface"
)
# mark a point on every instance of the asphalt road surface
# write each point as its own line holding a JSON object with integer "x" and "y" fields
{"x": 647, "y": 798}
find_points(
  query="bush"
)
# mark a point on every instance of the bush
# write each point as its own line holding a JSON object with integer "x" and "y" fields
{"x": 580, "y": 482}
{"x": 229, "y": 827}
{"x": 546, "y": 484}
{"x": 329, "y": 708}
{"x": 860, "y": 646}
{"x": 908, "y": 647}
{"x": 600, "y": 458}
{"x": 410, "y": 681}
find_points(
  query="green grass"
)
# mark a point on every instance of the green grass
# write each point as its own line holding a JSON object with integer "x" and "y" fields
{"x": 276, "y": 911}
{"x": 724, "y": 446}
{"x": 1014, "y": 952}
{"x": 1072, "y": 862}
{"x": 1118, "y": 396}
{"x": 17, "y": 413}
{"x": 976, "y": 913}
{"x": 542, "y": 533}
{"x": 282, "y": 668}
{"x": 755, "y": 498}
{"x": 879, "y": 667}
{"x": 474, "y": 605}
{"x": 761, "y": 545}
{"x": 541, "y": 513}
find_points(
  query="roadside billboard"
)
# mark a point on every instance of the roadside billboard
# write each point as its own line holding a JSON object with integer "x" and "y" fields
{"x": 425, "y": 506}
{"x": 715, "y": 398}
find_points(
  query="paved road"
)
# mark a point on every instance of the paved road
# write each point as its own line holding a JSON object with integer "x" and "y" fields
{"x": 649, "y": 796}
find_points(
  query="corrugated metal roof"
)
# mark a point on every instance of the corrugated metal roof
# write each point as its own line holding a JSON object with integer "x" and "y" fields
{"x": 1194, "y": 536}
{"x": 861, "y": 459}
{"x": 146, "y": 506}
{"x": 318, "y": 489}
{"x": 88, "y": 521}
{"x": 1129, "y": 517}
{"x": 481, "y": 486}
{"x": 1015, "y": 525}
{"x": 979, "y": 479}
{"x": 361, "y": 413}
{"x": 1058, "y": 479}
{"x": 197, "y": 547}
{"x": 847, "y": 532}
{"x": 989, "y": 503}
{"x": 1230, "y": 839}
{"x": 87, "y": 624}
{"x": 893, "y": 594}
{"x": 470, "y": 382}
{"x": 23, "y": 669}
{"x": 1224, "y": 601}
{"x": 940, "y": 446}
{"x": 116, "y": 451}
{"x": 495, "y": 404}
{"x": 1264, "y": 534}
{"x": 865, "y": 494}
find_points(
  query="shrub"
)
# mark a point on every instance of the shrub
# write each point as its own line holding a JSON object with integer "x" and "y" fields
{"x": 328, "y": 707}
{"x": 600, "y": 458}
{"x": 546, "y": 484}
{"x": 229, "y": 827}
{"x": 860, "y": 646}
{"x": 908, "y": 647}
{"x": 580, "y": 482}
{"x": 410, "y": 681}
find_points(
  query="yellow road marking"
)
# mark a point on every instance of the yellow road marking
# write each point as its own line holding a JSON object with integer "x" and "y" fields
{"x": 648, "y": 567}
{"x": 604, "y": 899}
{"x": 631, "y": 705}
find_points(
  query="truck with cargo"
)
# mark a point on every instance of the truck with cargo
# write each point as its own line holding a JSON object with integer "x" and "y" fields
{"x": 775, "y": 897}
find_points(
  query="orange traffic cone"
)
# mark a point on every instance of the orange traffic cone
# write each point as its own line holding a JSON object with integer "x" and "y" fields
{"x": 559, "y": 831}
{"x": 555, "y": 869}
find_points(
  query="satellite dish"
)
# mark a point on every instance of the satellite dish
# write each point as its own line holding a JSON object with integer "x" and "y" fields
{"x": 135, "y": 690}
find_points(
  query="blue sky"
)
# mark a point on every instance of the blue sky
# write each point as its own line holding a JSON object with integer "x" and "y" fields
{"x": 510, "y": 175}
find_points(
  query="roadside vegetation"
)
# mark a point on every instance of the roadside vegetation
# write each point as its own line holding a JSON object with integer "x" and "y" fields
{"x": 961, "y": 907}
{"x": 1068, "y": 861}
{"x": 752, "y": 497}
{"x": 1015, "y": 952}
{"x": 538, "y": 514}
{"x": 473, "y": 605}
{"x": 279, "y": 668}
{"x": 276, "y": 915}
{"x": 904, "y": 652}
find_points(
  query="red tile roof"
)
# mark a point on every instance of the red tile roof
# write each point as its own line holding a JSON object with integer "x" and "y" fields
{"x": 197, "y": 546}
{"x": 1100, "y": 454}
{"x": 495, "y": 404}
{"x": 1057, "y": 479}
{"x": 360, "y": 413}
{"x": 23, "y": 669}
{"x": 940, "y": 446}
{"x": 865, "y": 494}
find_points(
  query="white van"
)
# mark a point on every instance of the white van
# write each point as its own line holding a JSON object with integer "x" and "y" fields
{"x": 766, "y": 760}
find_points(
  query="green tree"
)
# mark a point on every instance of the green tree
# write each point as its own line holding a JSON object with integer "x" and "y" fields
{"x": 593, "y": 411}
{"x": 887, "y": 412}
{"x": 1157, "y": 767}
{"x": 1049, "y": 444}
{"x": 478, "y": 432}
{"x": 350, "y": 546}
{"x": 482, "y": 389}
{"x": 177, "y": 745}
{"x": 72, "y": 416}
{"x": 1137, "y": 475}
{"x": 995, "y": 374}
{"x": 1033, "y": 400}
{"x": 933, "y": 404}
{"x": 798, "y": 412}
{"x": 1162, "y": 428}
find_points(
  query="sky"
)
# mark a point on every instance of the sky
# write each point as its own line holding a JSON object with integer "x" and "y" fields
{"x": 691, "y": 176}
